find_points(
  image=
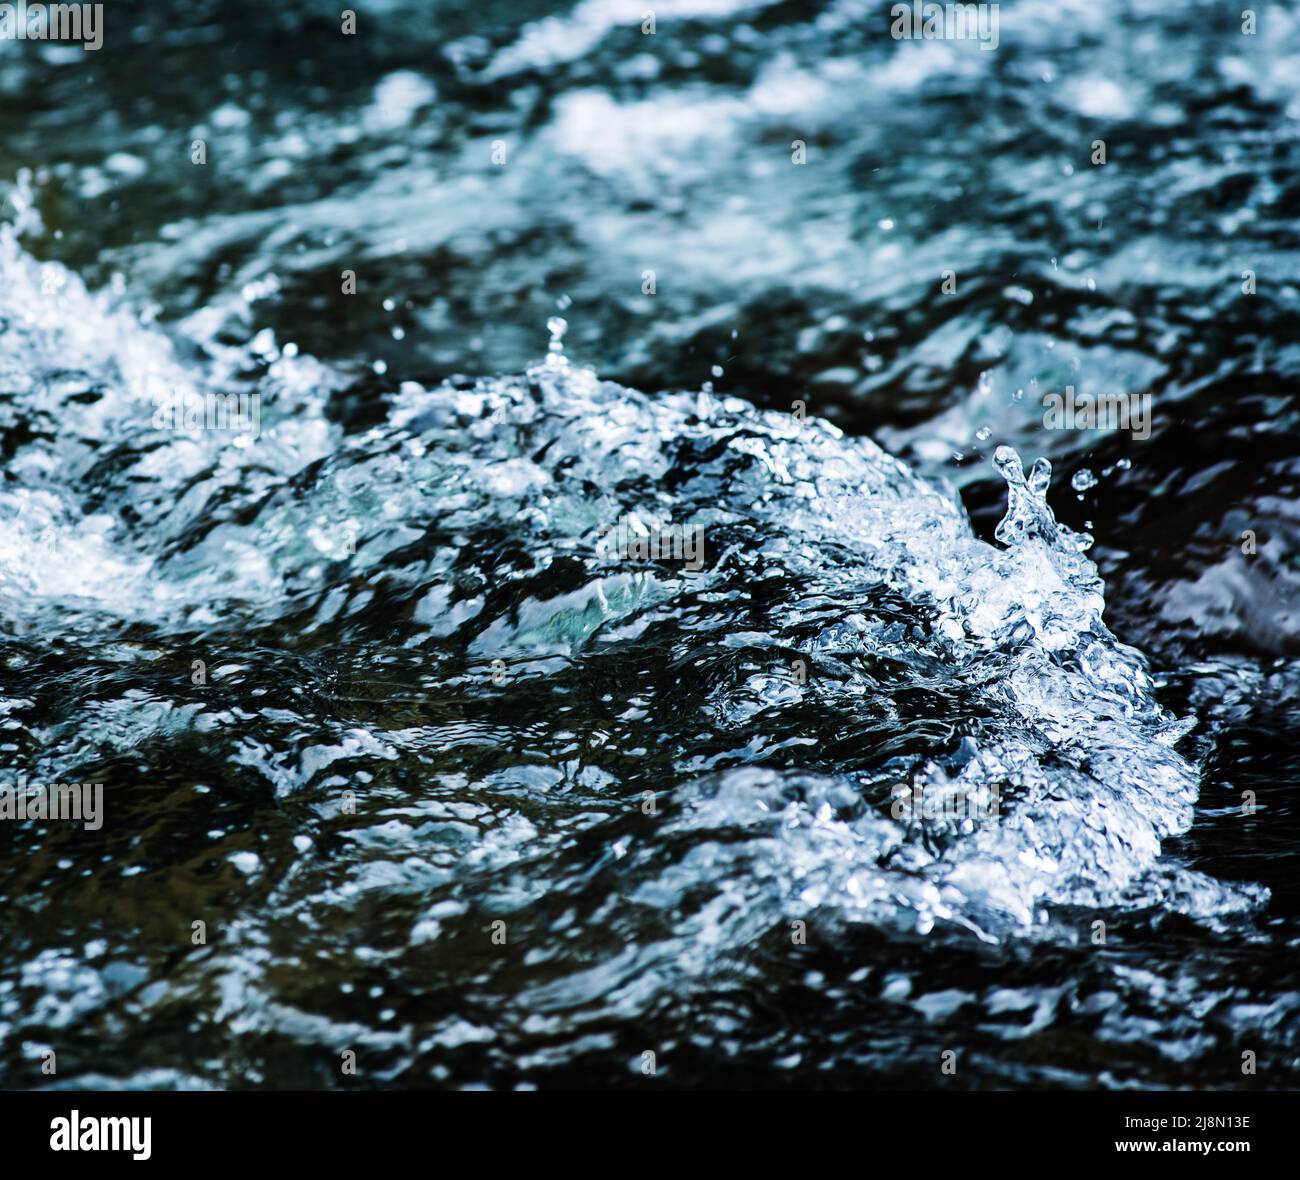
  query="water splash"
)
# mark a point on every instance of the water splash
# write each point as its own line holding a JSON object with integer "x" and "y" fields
{"x": 555, "y": 349}
{"x": 422, "y": 614}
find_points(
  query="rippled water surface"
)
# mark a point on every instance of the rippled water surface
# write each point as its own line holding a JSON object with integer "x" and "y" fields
{"x": 456, "y": 784}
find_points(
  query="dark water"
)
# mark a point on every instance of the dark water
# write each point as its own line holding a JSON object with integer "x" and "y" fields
{"x": 459, "y": 789}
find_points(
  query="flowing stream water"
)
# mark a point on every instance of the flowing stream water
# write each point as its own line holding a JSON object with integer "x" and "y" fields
{"x": 387, "y": 688}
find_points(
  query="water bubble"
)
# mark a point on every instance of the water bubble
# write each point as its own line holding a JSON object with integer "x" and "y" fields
{"x": 1083, "y": 480}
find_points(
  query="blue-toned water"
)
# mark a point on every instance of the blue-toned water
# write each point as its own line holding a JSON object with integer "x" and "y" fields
{"x": 529, "y": 663}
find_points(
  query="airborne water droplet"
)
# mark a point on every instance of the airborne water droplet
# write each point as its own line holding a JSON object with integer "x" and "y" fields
{"x": 555, "y": 350}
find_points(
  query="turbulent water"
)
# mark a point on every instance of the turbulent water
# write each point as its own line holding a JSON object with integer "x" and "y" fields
{"x": 458, "y": 779}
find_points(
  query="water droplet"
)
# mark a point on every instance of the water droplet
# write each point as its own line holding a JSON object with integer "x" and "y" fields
{"x": 555, "y": 350}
